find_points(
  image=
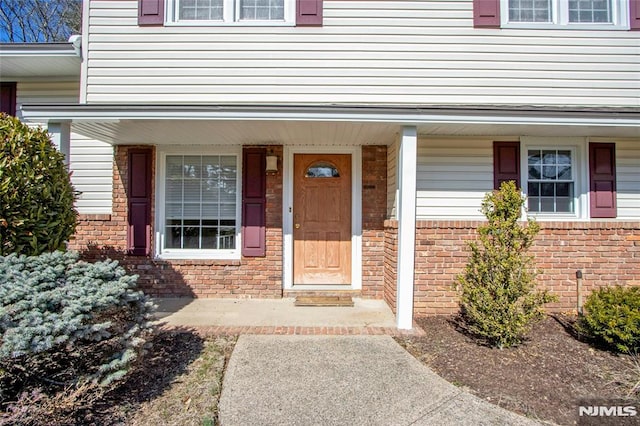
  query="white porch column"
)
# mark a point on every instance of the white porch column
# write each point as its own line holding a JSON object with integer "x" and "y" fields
{"x": 407, "y": 168}
{"x": 61, "y": 137}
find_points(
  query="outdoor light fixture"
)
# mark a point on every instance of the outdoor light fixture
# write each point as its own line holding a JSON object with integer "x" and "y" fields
{"x": 272, "y": 163}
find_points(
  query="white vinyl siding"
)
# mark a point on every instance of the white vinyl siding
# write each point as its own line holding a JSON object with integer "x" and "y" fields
{"x": 628, "y": 179}
{"x": 45, "y": 92}
{"x": 91, "y": 161}
{"x": 91, "y": 166}
{"x": 383, "y": 52}
{"x": 455, "y": 174}
{"x": 453, "y": 177}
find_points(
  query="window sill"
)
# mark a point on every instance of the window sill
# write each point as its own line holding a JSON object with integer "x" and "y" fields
{"x": 222, "y": 255}
{"x": 541, "y": 217}
{"x": 229, "y": 24}
{"x": 564, "y": 27}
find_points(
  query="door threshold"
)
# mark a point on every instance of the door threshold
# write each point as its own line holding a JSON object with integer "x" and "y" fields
{"x": 327, "y": 290}
{"x": 320, "y": 287}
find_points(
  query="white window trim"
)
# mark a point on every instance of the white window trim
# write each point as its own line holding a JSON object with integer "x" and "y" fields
{"x": 161, "y": 164}
{"x": 560, "y": 18}
{"x": 578, "y": 148}
{"x": 231, "y": 14}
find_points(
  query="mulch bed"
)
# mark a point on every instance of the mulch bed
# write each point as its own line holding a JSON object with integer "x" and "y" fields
{"x": 546, "y": 378}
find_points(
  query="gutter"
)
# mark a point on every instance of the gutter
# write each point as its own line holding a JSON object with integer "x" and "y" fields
{"x": 40, "y": 49}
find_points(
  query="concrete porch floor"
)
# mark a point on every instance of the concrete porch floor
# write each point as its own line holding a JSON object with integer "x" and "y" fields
{"x": 187, "y": 312}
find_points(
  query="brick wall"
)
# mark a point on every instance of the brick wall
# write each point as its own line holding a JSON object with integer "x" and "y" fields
{"x": 390, "y": 262}
{"x": 606, "y": 252}
{"x": 374, "y": 199}
{"x": 102, "y": 236}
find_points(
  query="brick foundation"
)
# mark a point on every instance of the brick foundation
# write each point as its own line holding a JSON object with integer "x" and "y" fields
{"x": 607, "y": 253}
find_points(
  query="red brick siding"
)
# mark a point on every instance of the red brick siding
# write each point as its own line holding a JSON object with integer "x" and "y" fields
{"x": 374, "y": 206}
{"x": 606, "y": 252}
{"x": 390, "y": 263}
{"x": 101, "y": 236}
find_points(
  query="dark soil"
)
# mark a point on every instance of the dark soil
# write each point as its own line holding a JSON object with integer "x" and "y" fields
{"x": 546, "y": 378}
{"x": 169, "y": 357}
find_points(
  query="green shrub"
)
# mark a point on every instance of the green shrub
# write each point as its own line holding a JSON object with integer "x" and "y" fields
{"x": 612, "y": 315}
{"x": 66, "y": 323}
{"x": 36, "y": 196}
{"x": 498, "y": 300}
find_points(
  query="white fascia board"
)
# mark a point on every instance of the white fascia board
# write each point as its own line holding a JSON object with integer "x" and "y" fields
{"x": 399, "y": 115}
{"x": 37, "y": 49}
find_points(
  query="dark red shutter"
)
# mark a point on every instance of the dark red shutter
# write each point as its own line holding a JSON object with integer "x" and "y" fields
{"x": 602, "y": 177}
{"x": 254, "y": 202}
{"x": 634, "y": 15}
{"x": 506, "y": 163}
{"x": 486, "y": 13}
{"x": 139, "y": 202}
{"x": 8, "y": 98}
{"x": 309, "y": 13}
{"x": 150, "y": 12}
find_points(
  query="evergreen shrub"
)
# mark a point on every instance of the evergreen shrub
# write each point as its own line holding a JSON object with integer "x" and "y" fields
{"x": 36, "y": 195}
{"x": 499, "y": 301}
{"x": 65, "y": 323}
{"x": 612, "y": 315}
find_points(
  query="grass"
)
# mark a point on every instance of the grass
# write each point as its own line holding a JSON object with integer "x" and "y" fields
{"x": 192, "y": 396}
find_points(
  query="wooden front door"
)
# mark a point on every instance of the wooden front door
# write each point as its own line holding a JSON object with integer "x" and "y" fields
{"x": 322, "y": 219}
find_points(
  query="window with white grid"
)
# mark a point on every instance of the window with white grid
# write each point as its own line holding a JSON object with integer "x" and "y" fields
{"x": 261, "y": 10}
{"x": 231, "y": 11}
{"x": 588, "y": 14}
{"x": 590, "y": 11}
{"x": 529, "y": 10}
{"x": 200, "y": 202}
{"x": 207, "y": 10}
{"x": 550, "y": 181}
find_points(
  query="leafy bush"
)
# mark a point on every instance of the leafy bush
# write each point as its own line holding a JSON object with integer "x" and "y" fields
{"x": 612, "y": 314}
{"x": 498, "y": 300}
{"x": 36, "y": 196}
{"x": 66, "y": 323}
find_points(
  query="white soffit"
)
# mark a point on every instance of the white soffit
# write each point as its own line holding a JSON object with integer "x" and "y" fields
{"x": 25, "y": 61}
{"x": 233, "y": 132}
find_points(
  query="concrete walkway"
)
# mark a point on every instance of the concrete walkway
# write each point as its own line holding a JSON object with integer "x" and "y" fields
{"x": 343, "y": 380}
{"x": 325, "y": 366}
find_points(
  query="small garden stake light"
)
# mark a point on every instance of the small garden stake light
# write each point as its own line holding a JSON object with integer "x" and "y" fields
{"x": 579, "y": 290}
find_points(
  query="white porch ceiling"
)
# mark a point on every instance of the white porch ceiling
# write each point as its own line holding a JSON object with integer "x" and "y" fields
{"x": 204, "y": 132}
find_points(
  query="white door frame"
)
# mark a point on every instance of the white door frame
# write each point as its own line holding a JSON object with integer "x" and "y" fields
{"x": 356, "y": 215}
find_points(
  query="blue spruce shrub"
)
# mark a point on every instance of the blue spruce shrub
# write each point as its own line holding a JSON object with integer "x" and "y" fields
{"x": 65, "y": 322}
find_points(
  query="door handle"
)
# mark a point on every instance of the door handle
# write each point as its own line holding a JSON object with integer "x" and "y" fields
{"x": 297, "y": 226}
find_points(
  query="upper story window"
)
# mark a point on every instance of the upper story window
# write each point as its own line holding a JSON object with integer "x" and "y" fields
{"x": 232, "y": 12}
{"x": 578, "y": 14}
